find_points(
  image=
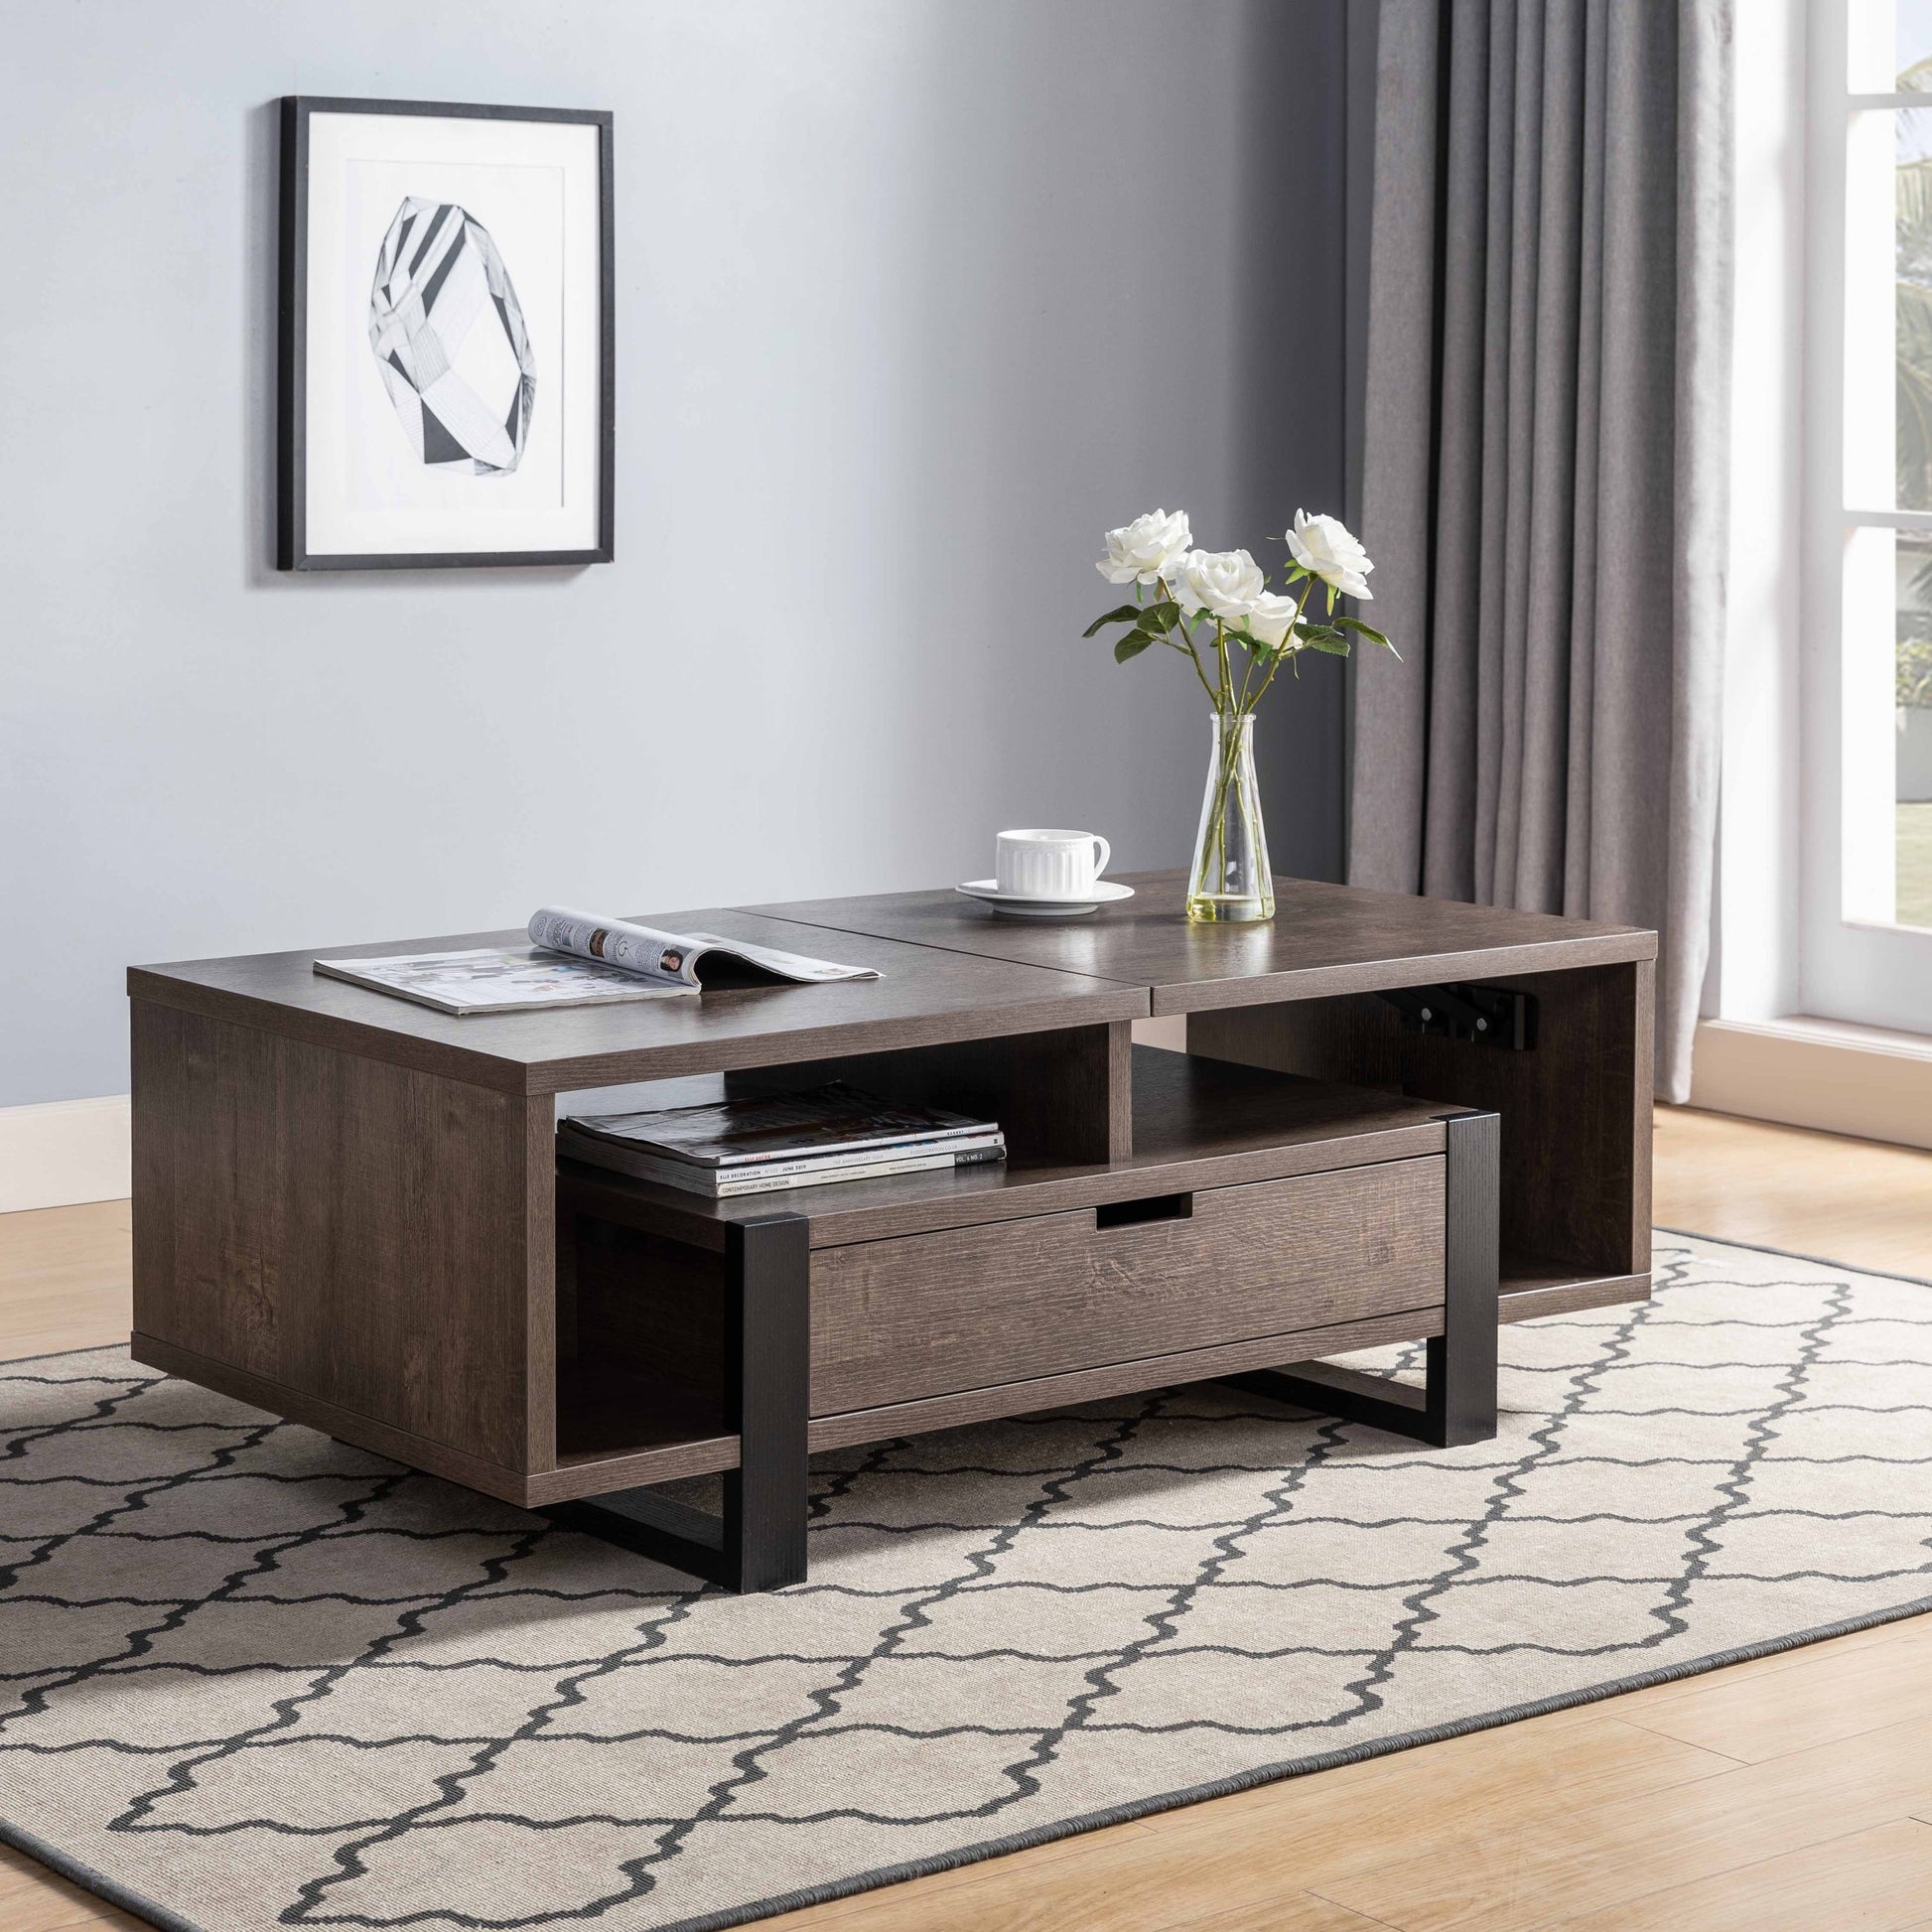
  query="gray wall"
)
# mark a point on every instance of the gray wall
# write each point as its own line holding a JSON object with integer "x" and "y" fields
{"x": 913, "y": 300}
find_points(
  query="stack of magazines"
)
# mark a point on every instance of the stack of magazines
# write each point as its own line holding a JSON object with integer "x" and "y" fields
{"x": 726, "y": 1148}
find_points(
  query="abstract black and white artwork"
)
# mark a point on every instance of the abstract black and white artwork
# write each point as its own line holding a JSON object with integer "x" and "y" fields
{"x": 446, "y": 380}
{"x": 450, "y": 340}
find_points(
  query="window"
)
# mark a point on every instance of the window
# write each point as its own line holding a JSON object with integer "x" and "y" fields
{"x": 1867, "y": 727}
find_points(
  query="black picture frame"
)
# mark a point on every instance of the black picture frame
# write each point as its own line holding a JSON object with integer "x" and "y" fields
{"x": 292, "y": 552}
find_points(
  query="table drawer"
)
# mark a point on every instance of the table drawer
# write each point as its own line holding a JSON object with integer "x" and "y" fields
{"x": 927, "y": 1314}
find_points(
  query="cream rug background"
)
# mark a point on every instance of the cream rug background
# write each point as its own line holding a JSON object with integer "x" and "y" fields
{"x": 251, "y": 1677}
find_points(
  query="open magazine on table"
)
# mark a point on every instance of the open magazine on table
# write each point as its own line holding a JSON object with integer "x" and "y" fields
{"x": 577, "y": 959}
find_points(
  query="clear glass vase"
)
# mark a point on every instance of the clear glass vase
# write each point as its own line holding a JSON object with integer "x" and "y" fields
{"x": 1229, "y": 880}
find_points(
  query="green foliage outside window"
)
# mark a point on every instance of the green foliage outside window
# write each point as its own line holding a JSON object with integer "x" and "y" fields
{"x": 1914, "y": 669}
{"x": 1915, "y": 388}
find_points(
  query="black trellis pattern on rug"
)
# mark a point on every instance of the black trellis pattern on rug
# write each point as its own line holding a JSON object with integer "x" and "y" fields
{"x": 252, "y": 1677}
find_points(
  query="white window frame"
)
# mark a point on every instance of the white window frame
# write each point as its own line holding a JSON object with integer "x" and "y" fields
{"x": 1853, "y": 964}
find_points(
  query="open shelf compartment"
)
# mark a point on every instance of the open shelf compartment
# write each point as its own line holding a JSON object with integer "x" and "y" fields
{"x": 640, "y": 1270}
{"x": 1574, "y": 1109}
{"x": 1191, "y": 1123}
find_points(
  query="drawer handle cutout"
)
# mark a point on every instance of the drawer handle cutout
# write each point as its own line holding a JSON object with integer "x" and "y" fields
{"x": 1155, "y": 1207}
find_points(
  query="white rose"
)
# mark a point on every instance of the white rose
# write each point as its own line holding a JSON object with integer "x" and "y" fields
{"x": 1146, "y": 548}
{"x": 1325, "y": 548}
{"x": 1270, "y": 620}
{"x": 1223, "y": 583}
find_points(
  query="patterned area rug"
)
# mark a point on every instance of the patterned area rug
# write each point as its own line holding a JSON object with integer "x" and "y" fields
{"x": 254, "y": 1678}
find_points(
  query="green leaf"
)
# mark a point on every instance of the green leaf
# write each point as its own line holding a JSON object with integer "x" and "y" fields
{"x": 1371, "y": 633}
{"x": 1123, "y": 614}
{"x": 1161, "y": 616}
{"x": 1323, "y": 637}
{"x": 1367, "y": 630}
{"x": 1131, "y": 645}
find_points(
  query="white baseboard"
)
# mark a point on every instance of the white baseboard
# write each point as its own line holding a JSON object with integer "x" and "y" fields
{"x": 1817, "y": 1073}
{"x": 65, "y": 1152}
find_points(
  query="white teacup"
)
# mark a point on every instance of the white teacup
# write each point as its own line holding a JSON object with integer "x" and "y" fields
{"x": 1050, "y": 864}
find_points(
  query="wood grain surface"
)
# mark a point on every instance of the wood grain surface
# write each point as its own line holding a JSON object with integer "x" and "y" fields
{"x": 1323, "y": 939}
{"x": 1047, "y": 1391}
{"x": 377, "y": 1237}
{"x": 1061, "y": 1097}
{"x": 923, "y": 997}
{"x": 331, "y": 1418}
{"x": 929, "y": 1315}
{"x": 1533, "y": 1290}
{"x": 68, "y": 1276}
{"x": 1575, "y": 1110}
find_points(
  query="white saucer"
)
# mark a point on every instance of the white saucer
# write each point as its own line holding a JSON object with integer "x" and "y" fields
{"x": 1105, "y": 893}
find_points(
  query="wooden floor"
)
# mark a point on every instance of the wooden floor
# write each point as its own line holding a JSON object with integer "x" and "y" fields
{"x": 1855, "y": 1201}
{"x": 1795, "y": 1792}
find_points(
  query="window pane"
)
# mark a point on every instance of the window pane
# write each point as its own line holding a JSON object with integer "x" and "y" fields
{"x": 1887, "y": 616}
{"x": 1891, "y": 46}
{"x": 1912, "y": 45}
{"x": 1888, "y": 310}
{"x": 1913, "y": 306}
{"x": 1912, "y": 733}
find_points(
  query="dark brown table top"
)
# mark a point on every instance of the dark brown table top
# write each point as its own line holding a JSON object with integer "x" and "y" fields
{"x": 923, "y": 998}
{"x": 1323, "y": 939}
{"x": 951, "y": 969}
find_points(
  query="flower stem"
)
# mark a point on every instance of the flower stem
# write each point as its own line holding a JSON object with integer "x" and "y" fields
{"x": 1289, "y": 650}
{"x": 1188, "y": 647}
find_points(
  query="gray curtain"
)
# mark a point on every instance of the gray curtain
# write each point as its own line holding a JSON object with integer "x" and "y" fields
{"x": 1544, "y": 467}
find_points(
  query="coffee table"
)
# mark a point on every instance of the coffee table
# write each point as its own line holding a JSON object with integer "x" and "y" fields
{"x": 1397, "y": 1119}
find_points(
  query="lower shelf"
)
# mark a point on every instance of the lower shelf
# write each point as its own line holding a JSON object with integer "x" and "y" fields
{"x": 621, "y": 1429}
{"x": 1529, "y": 1289}
{"x": 649, "y": 1458}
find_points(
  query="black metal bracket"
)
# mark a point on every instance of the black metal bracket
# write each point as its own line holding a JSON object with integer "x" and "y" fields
{"x": 758, "y": 1541}
{"x": 1457, "y": 1401}
{"x": 1491, "y": 1015}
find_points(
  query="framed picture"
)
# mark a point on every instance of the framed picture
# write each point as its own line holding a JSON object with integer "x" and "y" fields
{"x": 446, "y": 335}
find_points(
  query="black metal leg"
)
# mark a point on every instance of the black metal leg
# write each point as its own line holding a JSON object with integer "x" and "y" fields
{"x": 769, "y": 1335}
{"x": 1458, "y": 1403}
{"x": 1462, "y": 1358}
{"x": 759, "y": 1542}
